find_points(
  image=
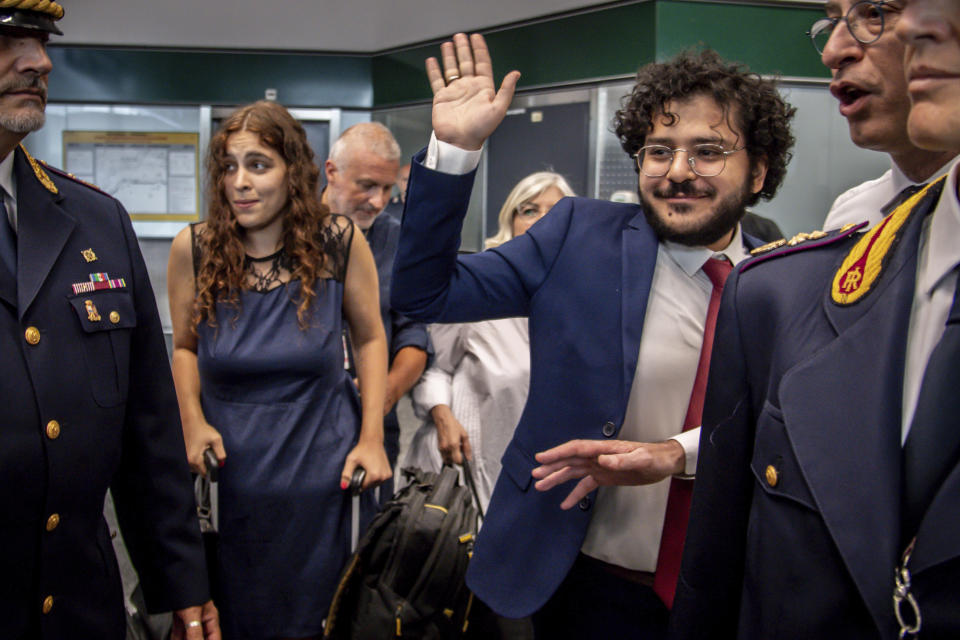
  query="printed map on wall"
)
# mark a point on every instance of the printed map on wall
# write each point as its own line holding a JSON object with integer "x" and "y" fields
{"x": 154, "y": 175}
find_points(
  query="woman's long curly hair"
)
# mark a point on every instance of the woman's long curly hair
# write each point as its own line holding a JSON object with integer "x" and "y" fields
{"x": 762, "y": 116}
{"x": 220, "y": 273}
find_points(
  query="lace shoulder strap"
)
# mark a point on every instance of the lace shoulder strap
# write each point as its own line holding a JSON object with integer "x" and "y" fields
{"x": 195, "y": 247}
{"x": 336, "y": 237}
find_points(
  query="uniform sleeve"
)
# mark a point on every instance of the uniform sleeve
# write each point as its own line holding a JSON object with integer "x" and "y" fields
{"x": 408, "y": 333}
{"x": 152, "y": 489}
{"x": 432, "y": 284}
{"x": 707, "y": 601}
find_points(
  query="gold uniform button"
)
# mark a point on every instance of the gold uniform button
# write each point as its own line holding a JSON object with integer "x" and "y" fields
{"x": 47, "y": 604}
{"x": 53, "y": 521}
{"x": 773, "y": 477}
{"x": 114, "y": 317}
{"x": 32, "y": 334}
{"x": 53, "y": 429}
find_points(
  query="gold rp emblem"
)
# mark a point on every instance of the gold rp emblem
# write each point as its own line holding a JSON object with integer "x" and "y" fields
{"x": 92, "y": 314}
{"x": 89, "y": 255}
{"x": 851, "y": 280}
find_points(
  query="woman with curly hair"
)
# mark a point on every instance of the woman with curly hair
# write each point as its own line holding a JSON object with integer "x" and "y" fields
{"x": 258, "y": 294}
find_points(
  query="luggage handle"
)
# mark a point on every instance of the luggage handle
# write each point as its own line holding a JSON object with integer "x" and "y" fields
{"x": 355, "y": 487}
{"x": 212, "y": 464}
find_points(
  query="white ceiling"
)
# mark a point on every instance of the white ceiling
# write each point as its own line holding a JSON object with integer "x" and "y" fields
{"x": 360, "y": 26}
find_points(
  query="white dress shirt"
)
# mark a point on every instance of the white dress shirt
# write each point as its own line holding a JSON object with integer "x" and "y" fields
{"x": 866, "y": 201}
{"x": 627, "y": 522}
{"x": 937, "y": 259}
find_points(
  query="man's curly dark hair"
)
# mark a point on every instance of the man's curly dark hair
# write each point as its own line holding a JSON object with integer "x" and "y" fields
{"x": 762, "y": 116}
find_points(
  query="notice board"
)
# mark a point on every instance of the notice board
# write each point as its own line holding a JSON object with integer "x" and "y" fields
{"x": 155, "y": 175}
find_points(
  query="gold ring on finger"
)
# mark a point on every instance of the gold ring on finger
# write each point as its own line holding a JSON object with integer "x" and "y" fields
{"x": 452, "y": 77}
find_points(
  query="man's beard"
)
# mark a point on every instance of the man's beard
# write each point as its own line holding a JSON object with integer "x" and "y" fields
{"x": 723, "y": 219}
{"x": 27, "y": 118}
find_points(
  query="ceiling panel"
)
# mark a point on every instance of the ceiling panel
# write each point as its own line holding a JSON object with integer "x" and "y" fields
{"x": 360, "y": 26}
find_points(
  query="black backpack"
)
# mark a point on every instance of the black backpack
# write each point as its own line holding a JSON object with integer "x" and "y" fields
{"x": 406, "y": 579}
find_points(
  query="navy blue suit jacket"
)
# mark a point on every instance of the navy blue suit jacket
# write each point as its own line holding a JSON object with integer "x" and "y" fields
{"x": 812, "y": 390}
{"x": 582, "y": 275}
{"x": 90, "y": 405}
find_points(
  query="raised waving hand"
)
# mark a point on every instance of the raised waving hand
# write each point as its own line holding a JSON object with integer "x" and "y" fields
{"x": 467, "y": 108}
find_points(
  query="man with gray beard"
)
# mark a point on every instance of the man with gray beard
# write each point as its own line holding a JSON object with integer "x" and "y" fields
{"x": 86, "y": 387}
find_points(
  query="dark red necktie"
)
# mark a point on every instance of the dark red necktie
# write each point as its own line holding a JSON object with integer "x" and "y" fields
{"x": 678, "y": 501}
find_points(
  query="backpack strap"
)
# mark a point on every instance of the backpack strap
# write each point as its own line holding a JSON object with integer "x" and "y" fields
{"x": 468, "y": 476}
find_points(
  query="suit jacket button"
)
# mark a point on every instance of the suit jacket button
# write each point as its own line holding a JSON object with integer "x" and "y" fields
{"x": 47, "y": 604}
{"x": 585, "y": 503}
{"x": 772, "y": 475}
{"x": 114, "y": 317}
{"x": 53, "y": 429}
{"x": 53, "y": 521}
{"x": 609, "y": 429}
{"x": 32, "y": 335}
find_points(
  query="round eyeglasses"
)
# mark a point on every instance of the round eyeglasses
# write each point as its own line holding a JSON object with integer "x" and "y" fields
{"x": 864, "y": 21}
{"x": 706, "y": 160}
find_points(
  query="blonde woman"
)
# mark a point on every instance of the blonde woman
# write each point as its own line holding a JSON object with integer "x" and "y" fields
{"x": 477, "y": 386}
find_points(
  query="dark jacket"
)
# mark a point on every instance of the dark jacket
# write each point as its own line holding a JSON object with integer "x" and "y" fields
{"x": 795, "y": 525}
{"x": 88, "y": 404}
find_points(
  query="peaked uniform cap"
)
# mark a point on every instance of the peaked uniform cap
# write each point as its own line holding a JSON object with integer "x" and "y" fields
{"x": 33, "y": 15}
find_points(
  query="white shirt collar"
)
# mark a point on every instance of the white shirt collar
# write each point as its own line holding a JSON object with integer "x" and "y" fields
{"x": 692, "y": 259}
{"x": 944, "y": 250}
{"x": 899, "y": 181}
{"x": 6, "y": 175}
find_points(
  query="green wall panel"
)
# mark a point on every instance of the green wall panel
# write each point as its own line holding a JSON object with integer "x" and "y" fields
{"x": 608, "y": 42}
{"x": 615, "y": 41}
{"x": 769, "y": 39}
{"x": 82, "y": 74}
{"x": 603, "y": 43}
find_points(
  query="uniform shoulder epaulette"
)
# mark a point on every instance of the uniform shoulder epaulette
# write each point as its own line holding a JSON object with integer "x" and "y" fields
{"x": 867, "y": 259}
{"x": 69, "y": 176}
{"x": 800, "y": 242}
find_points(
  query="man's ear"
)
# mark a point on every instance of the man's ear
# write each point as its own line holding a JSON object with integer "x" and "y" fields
{"x": 330, "y": 170}
{"x": 758, "y": 173}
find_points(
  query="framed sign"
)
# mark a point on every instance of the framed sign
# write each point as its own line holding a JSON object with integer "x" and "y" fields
{"x": 155, "y": 175}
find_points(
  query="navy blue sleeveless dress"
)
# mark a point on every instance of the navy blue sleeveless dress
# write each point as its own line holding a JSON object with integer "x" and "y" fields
{"x": 289, "y": 414}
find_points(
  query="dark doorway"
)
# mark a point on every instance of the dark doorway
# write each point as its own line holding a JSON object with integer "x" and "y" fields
{"x": 549, "y": 138}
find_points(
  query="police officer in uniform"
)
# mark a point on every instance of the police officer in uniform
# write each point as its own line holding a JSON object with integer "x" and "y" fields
{"x": 828, "y": 485}
{"x": 85, "y": 388}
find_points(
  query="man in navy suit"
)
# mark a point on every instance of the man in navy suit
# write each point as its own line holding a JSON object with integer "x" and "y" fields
{"x": 828, "y": 494}
{"x": 86, "y": 389}
{"x": 616, "y": 296}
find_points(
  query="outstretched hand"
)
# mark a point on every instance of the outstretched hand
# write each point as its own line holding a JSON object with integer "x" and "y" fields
{"x": 467, "y": 108}
{"x": 606, "y": 463}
